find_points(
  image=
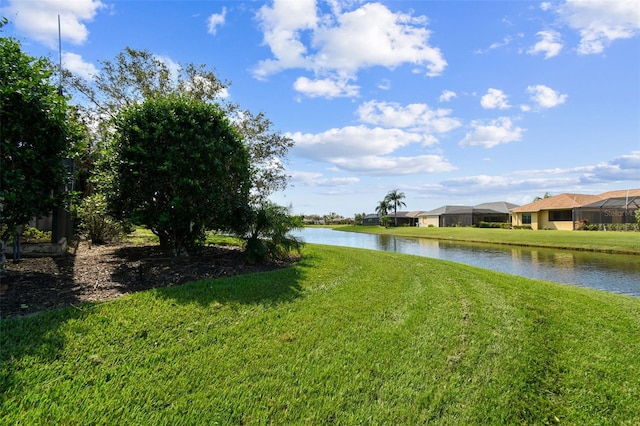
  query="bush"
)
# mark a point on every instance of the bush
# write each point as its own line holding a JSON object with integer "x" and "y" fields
{"x": 95, "y": 223}
{"x": 181, "y": 169}
{"x": 626, "y": 227}
{"x": 502, "y": 225}
{"x": 268, "y": 237}
{"x": 34, "y": 235}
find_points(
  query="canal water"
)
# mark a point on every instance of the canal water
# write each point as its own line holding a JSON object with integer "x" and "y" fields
{"x": 610, "y": 272}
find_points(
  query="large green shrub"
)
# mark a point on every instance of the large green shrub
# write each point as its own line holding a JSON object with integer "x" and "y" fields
{"x": 35, "y": 137}
{"x": 180, "y": 169}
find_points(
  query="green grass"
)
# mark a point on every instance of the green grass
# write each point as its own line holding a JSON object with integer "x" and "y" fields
{"x": 143, "y": 236}
{"x": 608, "y": 242}
{"x": 345, "y": 336}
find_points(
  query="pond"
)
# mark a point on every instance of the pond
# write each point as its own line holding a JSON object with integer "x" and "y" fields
{"x": 610, "y": 272}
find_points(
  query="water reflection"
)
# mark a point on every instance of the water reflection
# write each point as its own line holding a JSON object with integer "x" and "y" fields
{"x": 615, "y": 273}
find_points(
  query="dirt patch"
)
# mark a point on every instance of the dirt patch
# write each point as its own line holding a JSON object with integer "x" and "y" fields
{"x": 101, "y": 273}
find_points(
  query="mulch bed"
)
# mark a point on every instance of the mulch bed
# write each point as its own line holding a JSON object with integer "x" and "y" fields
{"x": 101, "y": 273}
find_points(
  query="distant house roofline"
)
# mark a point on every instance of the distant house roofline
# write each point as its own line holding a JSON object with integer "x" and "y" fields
{"x": 571, "y": 201}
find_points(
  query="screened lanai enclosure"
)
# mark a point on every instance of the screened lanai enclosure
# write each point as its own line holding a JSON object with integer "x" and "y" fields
{"x": 610, "y": 211}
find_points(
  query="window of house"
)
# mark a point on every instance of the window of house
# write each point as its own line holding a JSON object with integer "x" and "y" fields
{"x": 526, "y": 219}
{"x": 560, "y": 215}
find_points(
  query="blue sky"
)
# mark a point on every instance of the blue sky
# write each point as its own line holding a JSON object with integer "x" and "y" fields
{"x": 450, "y": 102}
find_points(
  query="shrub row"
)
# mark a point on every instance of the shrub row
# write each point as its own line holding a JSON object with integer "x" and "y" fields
{"x": 629, "y": 227}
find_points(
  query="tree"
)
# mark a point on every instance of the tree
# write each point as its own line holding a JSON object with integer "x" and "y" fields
{"x": 268, "y": 236}
{"x": 136, "y": 75}
{"x": 180, "y": 168}
{"x": 394, "y": 198}
{"x": 359, "y": 217}
{"x": 546, "y": 195}
{"x": 382, "y": 209}
{"x": 36, "y": 136}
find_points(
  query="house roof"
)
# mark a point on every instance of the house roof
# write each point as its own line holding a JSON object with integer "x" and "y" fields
{"x": 570, "y": 201}
{"x": 448, "y": 210}
{"x": 412, "y": 214}
{"x": 621, "y": 193}
{"x": 494, "y": 207}
{"x": 632, "y": 202}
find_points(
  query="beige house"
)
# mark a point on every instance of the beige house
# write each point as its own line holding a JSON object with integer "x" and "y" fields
{"x": 562, "y": 211}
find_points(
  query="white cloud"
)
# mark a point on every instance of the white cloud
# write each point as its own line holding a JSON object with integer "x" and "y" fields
{"x": 545, "y": 97}
{"x": 216, "y": 20}
{"x": 623, "y": 168}
{"x": 601, "y": 22}
{"x": 387, "y": 166}
{"x": 282, "y": 25}
{"x": 385, "y": 84}
{"x": 447, "y": 95}
{"x": 549, "y": 44}
{"x": 498, "y": 44}
{"x": 342, "y": 43}
{"x": 495, "y": 99}
{"x": 376, "y": 36}
{"x": 318, "y": 179}
{"x": 74, "y": 63}
{"x": 545, "y": 6}
{"x": 352, "y": 142}
{"x": 419, "y": 117}
{"x": 326, "y": 88}
{"x": 496, "y": 132}
{"x": 367, "y": 150}
{"x": 38, "y": 19}
{"x": 522, "y": 186}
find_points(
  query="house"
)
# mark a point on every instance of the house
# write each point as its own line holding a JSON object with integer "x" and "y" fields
{"x": 567, "y": 211}
{"x": 447, "y": 216}
{"x": 466, "y": 215}
{"x": 371, "y": 220}
{"x": 496, "y": 212}
{"x": 405, "y": 218}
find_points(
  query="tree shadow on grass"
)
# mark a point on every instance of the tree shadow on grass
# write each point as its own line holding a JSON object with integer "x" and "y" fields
{"x": 143, "y": 268}
{"x": 266, "y": 288}
{"x": 219, "y": 275}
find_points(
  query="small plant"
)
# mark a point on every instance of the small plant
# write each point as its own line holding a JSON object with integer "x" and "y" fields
{"x": 34, "y": 235}
{"x": 95, "y": 223}
{"x": 268, "y": 237}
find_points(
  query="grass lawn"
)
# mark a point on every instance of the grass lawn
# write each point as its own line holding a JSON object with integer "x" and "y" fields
{"x": 607, "y": 242}
{"x": 345, "y": 336}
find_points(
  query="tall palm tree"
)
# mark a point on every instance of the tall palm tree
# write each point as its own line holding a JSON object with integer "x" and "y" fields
{"x": 394, "y": 198}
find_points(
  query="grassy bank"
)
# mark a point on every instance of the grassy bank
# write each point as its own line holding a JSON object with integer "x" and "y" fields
{"x": 606, "y": 242}
{"x": 345, "y": 336}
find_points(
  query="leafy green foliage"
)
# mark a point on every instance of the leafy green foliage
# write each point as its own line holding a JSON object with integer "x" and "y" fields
{"x": 95, "y": 222}
{"x": 394, "y": 199}
{"x": 36, "y": 136}
{"x": 268, "y": 235}
{"x": 180, "y": 168}
{"x": 34, "y": 235}
{"x": 136, "y": 75}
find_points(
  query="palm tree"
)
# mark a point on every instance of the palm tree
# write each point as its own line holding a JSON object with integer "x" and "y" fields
{"x": 546, "y": 195}
{"x": 383, "y": 208}
{"x": 394, "y": 199}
